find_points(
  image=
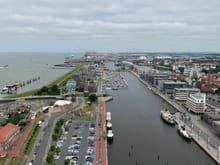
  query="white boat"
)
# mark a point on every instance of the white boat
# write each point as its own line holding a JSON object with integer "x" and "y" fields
{"x": 110, "y": 135}
{"x": 5, "y": 90}
{"x": 109, "y": 125}
{"x": 108, "y": 116}
{"x": 183, "y": 132}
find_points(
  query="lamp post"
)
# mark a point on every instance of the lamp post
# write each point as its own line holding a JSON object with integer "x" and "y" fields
{"x": 218, "y": 149}
{"x": 208, "y": 142}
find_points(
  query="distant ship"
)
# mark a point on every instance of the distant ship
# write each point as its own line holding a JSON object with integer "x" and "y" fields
{"x": 167, "y": 116}
{"x": 62, "y": 66}
{"x": 5, "y": 90}
{"x": 182, "y": 131}
{"x": 5, "y": 66}
{"x": 68, "y": 63}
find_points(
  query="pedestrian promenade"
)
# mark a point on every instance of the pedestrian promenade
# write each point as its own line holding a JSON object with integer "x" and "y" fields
{"x": 201, "y": 134}
{"x": 101, "y": 144}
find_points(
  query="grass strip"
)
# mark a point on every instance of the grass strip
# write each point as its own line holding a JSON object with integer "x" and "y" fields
{"x": 29, "y": 143}
{"x": 16, "y": 161}
{"x": 63, "y": 79}
{"x": 2, "y": 161}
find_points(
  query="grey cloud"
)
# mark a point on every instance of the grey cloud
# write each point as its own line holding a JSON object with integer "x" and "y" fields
{"x": 107, "y": 19}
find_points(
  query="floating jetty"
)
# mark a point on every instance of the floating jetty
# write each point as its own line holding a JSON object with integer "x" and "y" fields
{"x": 13, "y": 87}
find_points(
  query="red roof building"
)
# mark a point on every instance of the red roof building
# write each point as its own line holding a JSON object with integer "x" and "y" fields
{"x": 8, "y": 135}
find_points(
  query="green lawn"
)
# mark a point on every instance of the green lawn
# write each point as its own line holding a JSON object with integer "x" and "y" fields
{"x": 2, "y": 161}
{"x": 16, "y": 161}
{"x": 63, "y": 79}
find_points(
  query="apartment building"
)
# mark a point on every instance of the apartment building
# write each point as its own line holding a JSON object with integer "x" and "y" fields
{"x": 196, "y": 102}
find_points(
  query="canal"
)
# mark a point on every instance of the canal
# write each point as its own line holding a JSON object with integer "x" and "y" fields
{"x": 136, "y": 122}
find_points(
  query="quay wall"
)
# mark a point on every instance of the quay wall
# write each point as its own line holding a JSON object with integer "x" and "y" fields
{"x": 202, "y": 143}
{"x": 101, "y": 144}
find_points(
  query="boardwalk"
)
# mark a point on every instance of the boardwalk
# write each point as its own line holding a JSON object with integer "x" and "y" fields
{"x": 101, "y": 145}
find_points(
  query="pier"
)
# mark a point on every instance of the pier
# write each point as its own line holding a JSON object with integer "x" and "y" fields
{"x": 101, "y": 143}
{"x": 204, "y": 143}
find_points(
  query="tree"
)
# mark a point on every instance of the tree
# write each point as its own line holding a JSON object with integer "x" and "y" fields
{"x": 66, "y": 161}
{"x": 57, "y": 150}
{"x": 50, "y": 158}
{"x": 52, "y": 148}
{"x": 92, "y": 97}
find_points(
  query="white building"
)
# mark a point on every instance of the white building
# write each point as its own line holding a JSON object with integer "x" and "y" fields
{"x": 196, "y": 102}
{"x": 181, "y": 94}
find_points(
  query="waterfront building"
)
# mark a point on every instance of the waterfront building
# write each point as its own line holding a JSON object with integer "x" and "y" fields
{"x": 8, "y": 135}
{"x": 160, "y": 82}
{"x": 150, "y": 77}
{"x": 157, "y": 80}
{"x": 196, "y": 102}
{"x": 181, "y": 94}
{"x": 169, "y": 86}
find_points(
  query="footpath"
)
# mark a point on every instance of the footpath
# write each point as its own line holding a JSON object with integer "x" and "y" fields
{"x": 101, "y": 144}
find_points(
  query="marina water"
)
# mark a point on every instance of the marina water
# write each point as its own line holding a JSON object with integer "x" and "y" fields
{"x": 139, "y": 130}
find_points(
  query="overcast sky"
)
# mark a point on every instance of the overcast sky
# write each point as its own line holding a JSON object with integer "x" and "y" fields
{"x": 110, "y": 25}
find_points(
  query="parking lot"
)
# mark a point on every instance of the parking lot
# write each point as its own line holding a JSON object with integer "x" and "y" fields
{"x": 77, "y": 145}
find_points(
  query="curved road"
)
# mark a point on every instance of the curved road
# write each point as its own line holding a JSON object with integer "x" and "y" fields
{"x": 46, "y": 139}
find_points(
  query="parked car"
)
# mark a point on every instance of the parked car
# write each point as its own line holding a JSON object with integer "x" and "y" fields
{"x": 89, "y": 151}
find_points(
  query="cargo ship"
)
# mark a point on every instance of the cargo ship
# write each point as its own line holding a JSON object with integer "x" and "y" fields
{"x": 167, "y": 117}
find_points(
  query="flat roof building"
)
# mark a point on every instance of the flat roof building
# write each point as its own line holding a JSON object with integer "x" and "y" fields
{"x": 196, "y": 102}
{"x": 169, "y": 86}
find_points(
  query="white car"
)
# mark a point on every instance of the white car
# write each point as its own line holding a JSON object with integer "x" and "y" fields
{"x": 92, "y": 138}
{"x": 75, "y": 152}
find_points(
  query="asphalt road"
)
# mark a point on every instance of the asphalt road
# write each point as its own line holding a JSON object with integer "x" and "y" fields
{"x": 40, "y": 158}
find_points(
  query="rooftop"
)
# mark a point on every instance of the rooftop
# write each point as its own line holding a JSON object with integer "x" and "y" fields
{"x": 187, "y": 89}
{"x": 172, "y": 82}
{"x": 7, "y": 131}
{"x": 198, "y": 95}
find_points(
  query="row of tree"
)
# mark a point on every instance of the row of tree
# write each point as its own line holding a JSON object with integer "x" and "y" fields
{"x": 54, "y": 90}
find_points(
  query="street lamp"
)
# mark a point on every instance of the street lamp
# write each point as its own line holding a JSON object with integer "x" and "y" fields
{"x": 218, "y": 149}
{"x": 208, "y": 142}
